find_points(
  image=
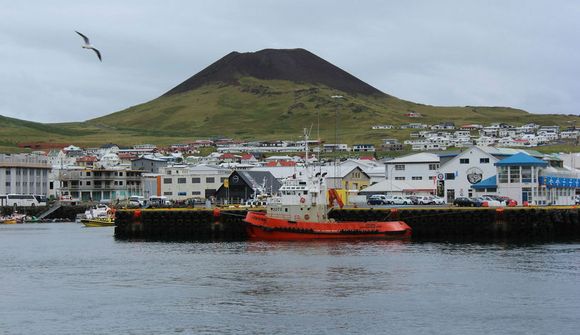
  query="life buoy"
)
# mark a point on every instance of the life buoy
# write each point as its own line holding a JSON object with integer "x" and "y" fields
{"x": 302, "y": 200}
{"x": 306, "y": 217}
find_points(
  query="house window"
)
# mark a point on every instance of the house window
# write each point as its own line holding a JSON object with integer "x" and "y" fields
{"x": 167, "y": 181}
{"x": 464, "y": 161}
{"x": 514, "y": 174}
{"x": 503, "y": 174}
{"x": 167, "y": 193}
{"x": 433, "y": 167}
{"x": 417, "y": 178}
{"x": 484, "y": 160}
{"x": 450, "y": 176}
{"x": 181, "y": 180}
{"x": 195, "y": 193}
{"x": 88, "y": 174}
{"x": 400, "y": 167}
{"x": 210, "y": 180}
{"x": 222, "y": 179}
{"x": 526, "y": 174}
{"x": 196, "y": 180}
{"x": 399, "y": 178}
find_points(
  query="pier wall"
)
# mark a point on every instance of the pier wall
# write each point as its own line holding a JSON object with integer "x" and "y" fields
{"x": 67, "y": 213}
{"x": 430, "y": 223}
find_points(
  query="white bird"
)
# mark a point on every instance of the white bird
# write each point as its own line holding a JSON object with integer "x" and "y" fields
{"x": 89, "y": 46}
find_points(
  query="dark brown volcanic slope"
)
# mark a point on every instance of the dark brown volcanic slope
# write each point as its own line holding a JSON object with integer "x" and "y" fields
{"x": 297, "y": 65}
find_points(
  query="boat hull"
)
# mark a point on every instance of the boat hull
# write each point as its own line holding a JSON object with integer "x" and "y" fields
{"x": 98, "y": 222}
{"x": 262, "y": 227}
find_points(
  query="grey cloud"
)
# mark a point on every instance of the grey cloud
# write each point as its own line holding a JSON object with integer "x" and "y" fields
{"x": 512, "y": 53}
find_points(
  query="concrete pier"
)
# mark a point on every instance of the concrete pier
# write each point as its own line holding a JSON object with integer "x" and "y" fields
{"x": 427, "y": 223}
{"x": 67, "y": 213}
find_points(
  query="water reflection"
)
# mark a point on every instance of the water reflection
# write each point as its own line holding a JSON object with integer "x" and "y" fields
{"x": 78, "y": 281}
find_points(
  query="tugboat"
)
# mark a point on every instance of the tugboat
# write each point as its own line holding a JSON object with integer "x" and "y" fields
{"x": 300, "y": 212}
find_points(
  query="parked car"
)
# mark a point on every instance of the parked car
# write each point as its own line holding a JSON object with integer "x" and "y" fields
{"x": 194, "y": 202}
{"x": 577, "y": 200}
{"x": 137, "y": 201}
{"x": 438, "y": 200}
{"x": 159, "y": 201}
{"x": 490, "y": 202}
{"x": 377, "y": 199}
{"x": 400, "y": 200}
{"x": 425, "y": 200}
{"x": 414, "y": 199}
{"x": 467, "y": 202}
{"x": 508, "y": 201}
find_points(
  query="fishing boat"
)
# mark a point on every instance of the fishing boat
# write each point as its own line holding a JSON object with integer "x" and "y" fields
{"x": 13, "y": 219}
{"x": 98, "y": 222}
{"x": 300, "y": 212}
{"x": 8, "y": 220}
{"x": 99, "y": 216}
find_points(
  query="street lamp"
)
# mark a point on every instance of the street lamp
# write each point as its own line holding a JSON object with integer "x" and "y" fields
{"x": 390, "y": 176}
{"x": 336, "y": 165}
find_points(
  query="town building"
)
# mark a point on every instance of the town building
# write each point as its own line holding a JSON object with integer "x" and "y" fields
{"x": 148, "y": 164}
{"x": 458, "y": 172}
{"x": 530, "y": 180}
{"x": 363, "y": 148}
{"x": 181, "y": 182}
{"x": 24, "y": 174}
{"x": 244, "y": 185}
{"x": 98, "y": 184}
{"x": 391, "y": 144}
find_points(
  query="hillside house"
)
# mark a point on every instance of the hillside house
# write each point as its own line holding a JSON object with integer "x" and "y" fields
{"x": 363, "y": 148}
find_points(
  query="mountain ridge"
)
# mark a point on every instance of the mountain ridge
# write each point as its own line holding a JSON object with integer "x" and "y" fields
{"x": 296, "y": 65}
{"x": 269, "y": 94}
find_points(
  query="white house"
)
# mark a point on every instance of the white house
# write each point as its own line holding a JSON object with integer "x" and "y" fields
{"x": 180, "y": 182}
{"x": 459, "y": 173}
{"x": 528, "y": 179}
{"x": 421, "y": 166}
{"x": 363, "y": 148}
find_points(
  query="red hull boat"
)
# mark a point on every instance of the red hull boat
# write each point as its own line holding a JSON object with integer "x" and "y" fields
{"x": 300, "y": 211}
{"x": 262, "y": 227}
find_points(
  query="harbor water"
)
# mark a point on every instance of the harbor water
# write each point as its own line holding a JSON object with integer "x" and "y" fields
{"x": 62, "y": 278}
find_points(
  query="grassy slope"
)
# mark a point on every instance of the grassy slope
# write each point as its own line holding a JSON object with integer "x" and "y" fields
{"x": 258, "y": 110}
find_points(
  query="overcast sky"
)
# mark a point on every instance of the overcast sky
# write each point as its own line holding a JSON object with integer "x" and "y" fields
{"x": 523, "y": 54}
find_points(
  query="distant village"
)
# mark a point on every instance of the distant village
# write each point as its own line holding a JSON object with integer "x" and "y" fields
{"x": 237, "y": 172}
{"x": 445, "y": 135}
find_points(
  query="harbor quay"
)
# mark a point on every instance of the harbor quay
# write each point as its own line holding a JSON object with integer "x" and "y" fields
{"x": 427, "y": 223}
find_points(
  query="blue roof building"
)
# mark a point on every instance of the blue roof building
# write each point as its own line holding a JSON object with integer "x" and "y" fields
{"x": 521, "y": 159}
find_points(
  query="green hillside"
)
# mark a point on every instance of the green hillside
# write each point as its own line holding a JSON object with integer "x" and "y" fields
{"x": 275, "y": 109}
{"x": 265, "y": 95}
{"x": 258, "y": 109}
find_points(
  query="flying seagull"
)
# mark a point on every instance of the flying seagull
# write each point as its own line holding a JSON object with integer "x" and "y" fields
{"x": 89, "y": 46}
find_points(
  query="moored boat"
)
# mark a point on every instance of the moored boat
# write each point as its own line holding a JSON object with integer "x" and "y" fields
{"x": 98, "y": 222}
{"x": 8, "y": 221}
{"x": 99, "y": 216}
{"x": 300, "y": 211}
{"x": 13, "y": 219}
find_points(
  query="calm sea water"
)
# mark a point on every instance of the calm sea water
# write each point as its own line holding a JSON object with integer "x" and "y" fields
{"x": 67, "y": 279}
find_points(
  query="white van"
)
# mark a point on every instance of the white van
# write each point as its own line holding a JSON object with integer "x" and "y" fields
{"x": 159, "y": 201}
{"x": 137, "y": 201}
